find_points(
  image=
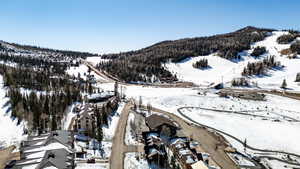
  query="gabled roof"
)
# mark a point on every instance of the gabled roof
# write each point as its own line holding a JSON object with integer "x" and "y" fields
{"x": 61, "y": 136}
{"x": 57, "y": 158}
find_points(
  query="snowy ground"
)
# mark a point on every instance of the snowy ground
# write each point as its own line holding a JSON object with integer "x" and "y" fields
{"x": 223, "y": 69}
{"x": 96, "y": 59}
{"x": 109, "y": 131}
{"x": 91, "y": 166}
{"x": 108, "y": 134}
{"x": 68, "y": 118}
{"x": 129, "y": 136}
{"x": 82, "y": 70}
{"x": 10, "y": 132}
{"x": 132, "y": 161}
{"x": 260, "y": 132}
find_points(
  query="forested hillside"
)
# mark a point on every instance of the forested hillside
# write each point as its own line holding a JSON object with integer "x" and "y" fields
{"x": 13, "y": 49}
{"x": 147, "y": 64}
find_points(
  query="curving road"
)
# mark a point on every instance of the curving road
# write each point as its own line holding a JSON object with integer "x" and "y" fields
{"x": 240, "y": 141}
{"x": 207, "y": 139}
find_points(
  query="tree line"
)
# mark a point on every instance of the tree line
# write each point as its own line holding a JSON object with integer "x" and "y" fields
{"x": 259, "y": 50}
{"x": 201, "y": 64}
{"x": 140, "y": 65}
{"x": 261, "y": 67}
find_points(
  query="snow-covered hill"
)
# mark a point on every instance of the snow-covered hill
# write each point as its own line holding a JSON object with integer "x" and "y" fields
{"x": 223, "y": 69}
{"x": 10, "y": 132}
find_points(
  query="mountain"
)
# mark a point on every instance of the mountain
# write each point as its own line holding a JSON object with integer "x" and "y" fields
{"x": 147, "y": 64}
{"x": 28, "y": 51}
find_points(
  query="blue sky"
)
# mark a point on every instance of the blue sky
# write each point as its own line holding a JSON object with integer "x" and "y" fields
{"x": 103, "y": 26}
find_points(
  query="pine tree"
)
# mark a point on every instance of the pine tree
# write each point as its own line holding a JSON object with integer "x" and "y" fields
{"x": 284, "y": 85}
{"x": 298, "y": 77}
{"x": 54, "y": 124}
{"x": 99, "y": 134}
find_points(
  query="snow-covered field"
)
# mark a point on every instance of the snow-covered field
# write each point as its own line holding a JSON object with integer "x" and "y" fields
{"x": 10, "y": 132}
{"x": 223, "y": 69}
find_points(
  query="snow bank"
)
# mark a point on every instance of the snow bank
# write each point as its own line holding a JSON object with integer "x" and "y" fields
{"x": 129, "y": 136}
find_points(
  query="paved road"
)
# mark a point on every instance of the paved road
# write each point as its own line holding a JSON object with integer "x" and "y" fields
{"x": 100, "y": 73}
{"x": 208, "y": 141}
{"x": 119, "y": 148}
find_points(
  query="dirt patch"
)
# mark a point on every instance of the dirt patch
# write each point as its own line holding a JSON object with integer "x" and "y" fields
{"x": 6, "y": 155}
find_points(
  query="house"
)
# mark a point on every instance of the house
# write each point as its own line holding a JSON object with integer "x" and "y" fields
{"x": 162, "y": 125}
{"x": 86, "y": 119}
{"x": 100, "y": 97}
{"x": 54, "y": 149}
{"x": 184, "y": 150}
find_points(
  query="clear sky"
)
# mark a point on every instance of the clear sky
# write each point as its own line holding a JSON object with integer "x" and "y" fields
{"x": 103, "y": 26}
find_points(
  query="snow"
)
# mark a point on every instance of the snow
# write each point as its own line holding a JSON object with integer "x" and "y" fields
{"x": 100, "y": 95}
{"x": 280, "y": 165}
{"x": 240, "y": 160}
{"x": 129, "y": 137}
{"x": 68, "y": 118}
{"x": 260, "y": 133}
{"x": 82, "y": 70}
{"x": 51, "y": 167}
{"x": 106, "y": 147}
{"x": 50, "y": 146}
{"x": 131, "y": 161}
{"x": 30, "y": 166}
{"x": 11, "y": 132}
{"x": 224, "y": 70}
{"x": 91, "y": 166}
{"x": 109, "y": 131}
{"x": 96, "y": 59}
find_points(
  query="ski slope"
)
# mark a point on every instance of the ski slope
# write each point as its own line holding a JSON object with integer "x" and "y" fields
{"x": 223, "y": 70}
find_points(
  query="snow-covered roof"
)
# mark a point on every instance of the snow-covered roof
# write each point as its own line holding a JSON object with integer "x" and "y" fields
{"x": 177, "y": 140}
{"x": 104, "y": 94}
{"x": 185, "y": 152}
{"x": 190, "y": 159}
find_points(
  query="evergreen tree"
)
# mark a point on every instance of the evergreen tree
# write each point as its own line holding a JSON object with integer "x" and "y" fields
{"x": 99, "y": 134}
{"x": 297, "y": 77}
{"x": 284, "y": 85}
{"x": 53, "y": 123}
